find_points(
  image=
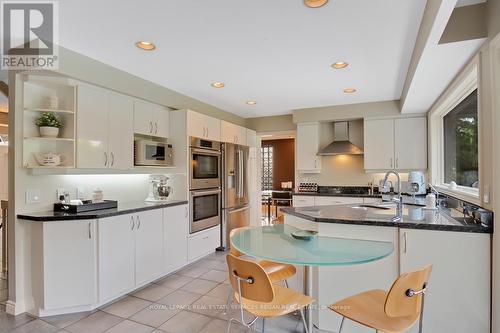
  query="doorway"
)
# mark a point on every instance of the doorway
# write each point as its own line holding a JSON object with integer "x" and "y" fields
{"x": 277, "y": 169}
{"x": 4, "y": 182}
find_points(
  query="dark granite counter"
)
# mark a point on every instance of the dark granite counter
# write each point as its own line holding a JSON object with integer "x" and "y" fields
{"x": 414, "y": 217}
{"x": 352, "y": 195}
{"x": 123, "y": 208}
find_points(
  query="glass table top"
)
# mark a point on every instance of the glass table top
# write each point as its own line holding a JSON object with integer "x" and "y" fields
{"x": 275, "y": 243}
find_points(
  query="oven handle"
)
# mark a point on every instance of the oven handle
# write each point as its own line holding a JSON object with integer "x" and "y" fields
{"x": 206, "y": 152}
{"x": 200, "y": 193}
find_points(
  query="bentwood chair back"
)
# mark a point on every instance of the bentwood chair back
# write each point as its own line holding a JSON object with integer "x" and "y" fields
{"x": 405, "y": 296}
{"x": 249, "y": 280}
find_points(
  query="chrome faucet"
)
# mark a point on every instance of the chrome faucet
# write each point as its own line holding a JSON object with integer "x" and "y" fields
{"x": 399, "y": 200}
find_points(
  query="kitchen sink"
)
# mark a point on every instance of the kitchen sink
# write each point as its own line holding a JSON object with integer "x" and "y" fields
{"x": 383, "y": 205}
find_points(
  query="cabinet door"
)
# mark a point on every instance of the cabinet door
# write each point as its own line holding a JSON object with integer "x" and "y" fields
{"x": 203, "y": 243}
{"x": 307, "y": 148}
{"x": 196, "y": 125}
{"x": 251, "y": 138}
{"x": 69, "y": 264}
{"x": 326, "y": 201}
{"x": 143, "y": 118}
{"x": 148, "y": 246}
{"x": 460, "y": 278}
{"x": 116, "y": 249}
{"x": 175, "y": 227}
{"x": 228, "y": 132}
{"x": 120, "y": 132}
{"x": 241, "y": 136}
{"x": 161, "y": 120}
{"x": 410, "y": 143}
{"x": 303, "y": 200}
{"x": 379, "y": 144}
{"x": 213, "y": 126}
{"x": 92, "y": 127}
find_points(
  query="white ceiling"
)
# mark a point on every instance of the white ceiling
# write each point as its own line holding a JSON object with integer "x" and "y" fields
{"x": 275, "y": 52}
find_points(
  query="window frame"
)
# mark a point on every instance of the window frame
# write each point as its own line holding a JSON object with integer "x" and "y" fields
{"x": 466, "y": 84}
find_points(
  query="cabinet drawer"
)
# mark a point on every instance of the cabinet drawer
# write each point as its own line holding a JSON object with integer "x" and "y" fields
{"x": 203, "y": 243}
{"x": 303, "y": 201}
{"x": 325, "y": 201}
{"x": 371, "y": 200}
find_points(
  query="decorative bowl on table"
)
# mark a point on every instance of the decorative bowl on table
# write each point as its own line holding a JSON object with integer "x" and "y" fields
{"x": 304, "y": 234}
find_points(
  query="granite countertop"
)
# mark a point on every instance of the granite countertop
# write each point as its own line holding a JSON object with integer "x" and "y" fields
{"x": 414, "y": 217}
{"x": 352, "y": 195}
{"x": 123, "y": 208}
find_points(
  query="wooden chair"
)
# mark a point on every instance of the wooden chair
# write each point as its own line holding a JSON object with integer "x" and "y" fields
{"x": 257, "y": 295}
{"x": 392, "y": 312}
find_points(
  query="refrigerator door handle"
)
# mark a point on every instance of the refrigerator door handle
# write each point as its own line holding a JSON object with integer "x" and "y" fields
{"x": 236, "y": 210}
{"x": 240, "y": 173}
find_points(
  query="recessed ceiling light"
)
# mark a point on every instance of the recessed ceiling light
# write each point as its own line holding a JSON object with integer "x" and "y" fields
{"x": 315, "y": 3}
{"x": 251, "y": 102}
{"x": 148, "y": 46}
{"x": 218, "y": 84}
{"x": 349, "y": 90}
{"x": 339, "y": 65}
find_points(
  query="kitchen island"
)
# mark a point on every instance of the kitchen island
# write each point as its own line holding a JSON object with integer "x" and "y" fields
{"x": 458, "y": 297}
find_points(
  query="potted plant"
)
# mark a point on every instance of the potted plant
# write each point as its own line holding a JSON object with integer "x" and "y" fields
{"x": 49, "y": 125}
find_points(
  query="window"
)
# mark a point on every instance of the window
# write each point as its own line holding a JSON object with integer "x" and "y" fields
{"x": 267, "y": 168}
{"x": 460, "y": 134}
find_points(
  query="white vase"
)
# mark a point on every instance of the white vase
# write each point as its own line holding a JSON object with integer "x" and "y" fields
{"x": 49, "y": 132}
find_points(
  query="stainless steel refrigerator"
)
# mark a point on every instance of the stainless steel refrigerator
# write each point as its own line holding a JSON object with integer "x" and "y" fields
{"x": 235, "y": 206}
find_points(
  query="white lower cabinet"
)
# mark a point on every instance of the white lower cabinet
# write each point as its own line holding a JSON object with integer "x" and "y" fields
{"x": 68, "y": 264}
{"x": 175, "y": 229}
{"x": 458, "y": 295}
{"x": 303, "y": 200}
{"x": 148, "y": 245}
{"x": 116, "y": 252}
{"x": 328, "y": 200}
{"x": 203, "y": 243}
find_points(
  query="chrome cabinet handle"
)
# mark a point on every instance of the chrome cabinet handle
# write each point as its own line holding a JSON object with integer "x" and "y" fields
{"x": 112, "y": 158}
{"x": 207, "y": 131}
{"x": 186, "y": 212}
{"x": 132, "y": 223}
{"x": 405, "y": 242}
{"x": 391, "y": 162}
{"x": 139, "y": 222}
{"x": 90, "y": 230}
{"x": 150, "y": 126}
{"x": 397, "y": 162}
{"x": 105, "y": 159}
{"x": 156, "y": 127}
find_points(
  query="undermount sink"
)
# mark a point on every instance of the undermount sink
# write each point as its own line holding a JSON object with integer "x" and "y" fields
{"x": 384, "y": 205}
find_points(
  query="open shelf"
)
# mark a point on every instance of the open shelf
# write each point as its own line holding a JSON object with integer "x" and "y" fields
{"x": 49, "y": 110}
{"x": 48, "y": 139}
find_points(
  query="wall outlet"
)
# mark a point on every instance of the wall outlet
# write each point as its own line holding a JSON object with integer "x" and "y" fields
{"x": 59, "y": 193}
{"x": 33, "y": 196}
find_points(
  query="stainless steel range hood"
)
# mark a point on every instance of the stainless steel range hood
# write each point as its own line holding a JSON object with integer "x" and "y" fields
{"x": 341, "y": 144}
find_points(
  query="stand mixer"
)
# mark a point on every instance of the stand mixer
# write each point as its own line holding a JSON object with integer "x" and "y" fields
{"x": 159, "y": 190}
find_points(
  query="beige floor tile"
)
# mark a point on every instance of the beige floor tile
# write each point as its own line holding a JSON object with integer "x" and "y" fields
{"x": 185, "y": 322}
{"x": 215, "y": 275}
{"x": 221, "y": 291}
{"x": 200, "y": 286}
{"x": 179, "y": 299}
{"x": 9, "y": 322}
{"x": 128, "y": 326}
{"x": 221, "y": 266}
{"x": 209, "y": 306}
{"x": 153, "y": 292}
{"x": 218, "y": 325}
{"x": 126, "y": 306}
{"x": 96, "y": 323}
{"x": 207, "y": 263}
{"x": 35, "y": 326}
{"x": 193, "y": 271}
{"x": 174, "y": 281}
{"x": 64, "y": 320}
{"x": 155, "y": 314}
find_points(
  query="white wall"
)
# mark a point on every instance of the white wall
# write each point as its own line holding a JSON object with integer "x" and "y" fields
{"x": 4, "y": 171}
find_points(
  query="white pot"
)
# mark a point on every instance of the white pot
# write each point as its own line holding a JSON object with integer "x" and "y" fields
{"x": 49, "y": 132}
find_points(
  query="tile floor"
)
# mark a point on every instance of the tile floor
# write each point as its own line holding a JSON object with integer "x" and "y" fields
{"x": 188, "y": 301}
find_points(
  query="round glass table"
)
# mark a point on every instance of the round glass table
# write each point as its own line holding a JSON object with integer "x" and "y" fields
{"x": 276, "y": 243}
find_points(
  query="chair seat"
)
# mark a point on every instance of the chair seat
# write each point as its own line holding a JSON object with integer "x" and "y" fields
{"x": 368, "y": 309}
{"x": 285, "y": 301}
{"x": 277, "y": 271}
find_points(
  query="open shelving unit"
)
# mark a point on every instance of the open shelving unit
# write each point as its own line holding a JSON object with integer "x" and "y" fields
{"x": 37, "y": 90}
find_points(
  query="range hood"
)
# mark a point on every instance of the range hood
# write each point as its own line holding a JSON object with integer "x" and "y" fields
{"x": 341, "y": 144}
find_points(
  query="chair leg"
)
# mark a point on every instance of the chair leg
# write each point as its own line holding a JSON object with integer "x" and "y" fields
{"x": 229, "y": 324}
{"x": 228, "y": 301}
{"x": 286, "y": 283}
{"x": 341, "y": 324}
{"x": 263, "y": 324}
{"x": 304, "y": 320}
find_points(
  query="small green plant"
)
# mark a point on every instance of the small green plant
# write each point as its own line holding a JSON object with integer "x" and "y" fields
{"x": 48, "y": 119}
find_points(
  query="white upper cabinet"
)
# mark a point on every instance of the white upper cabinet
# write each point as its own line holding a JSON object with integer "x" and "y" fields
{"x": 202, "y": 126}
{"x": 104, "y": 129}
{"x": 410, "y": 143}
{"x": 251, "y": 138}
{"x": 151, "y": 119}
{"x": 92, "y": 127}
{"x": 308, "y": 136}
{"x": 120, "y": 132}
{"x": 233, "y": 133}
{"x": 399, "y": 144}
{"x": 379, "y": 144}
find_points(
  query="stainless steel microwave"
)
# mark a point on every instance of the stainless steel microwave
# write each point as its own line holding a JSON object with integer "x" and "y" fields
{"x": 152, "y": 153}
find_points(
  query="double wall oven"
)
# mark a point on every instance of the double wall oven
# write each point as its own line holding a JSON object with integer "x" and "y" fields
{"x": 204, "y": 184}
